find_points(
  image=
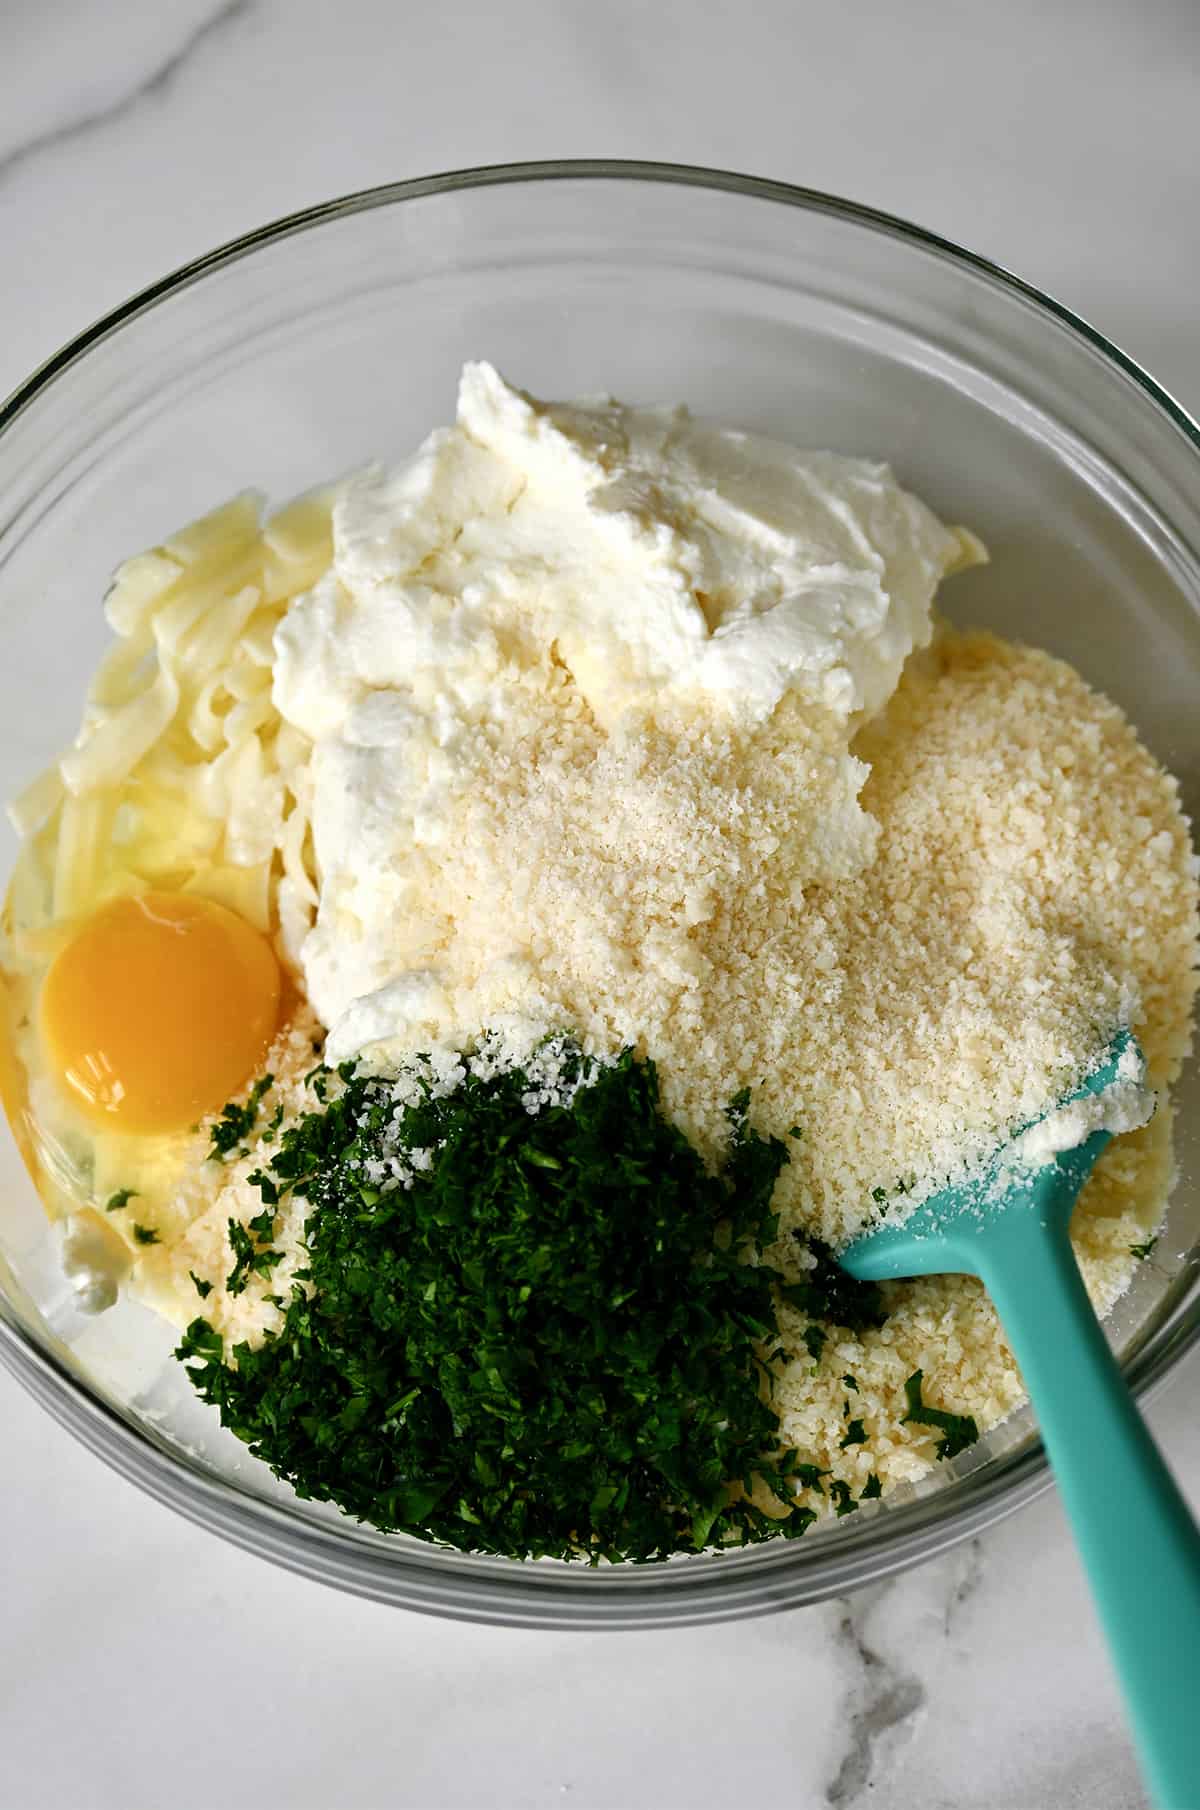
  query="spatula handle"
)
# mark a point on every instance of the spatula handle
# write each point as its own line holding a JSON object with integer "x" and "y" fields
{"x": 1138, "y": 1539}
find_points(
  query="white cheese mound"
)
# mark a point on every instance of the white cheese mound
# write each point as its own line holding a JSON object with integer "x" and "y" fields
{"x": 610, "y": 614}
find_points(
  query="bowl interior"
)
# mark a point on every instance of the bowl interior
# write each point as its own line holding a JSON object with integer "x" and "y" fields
{"x": 316, "y": 348}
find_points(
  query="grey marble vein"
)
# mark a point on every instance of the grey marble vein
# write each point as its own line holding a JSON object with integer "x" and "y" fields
{"x": 158, "y": 81}
{"x": 885, "y": 1697}
{"x": 964, "y": 1584}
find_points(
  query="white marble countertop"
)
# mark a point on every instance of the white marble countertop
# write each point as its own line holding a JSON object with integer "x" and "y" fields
{"x": 143, "y": 1662}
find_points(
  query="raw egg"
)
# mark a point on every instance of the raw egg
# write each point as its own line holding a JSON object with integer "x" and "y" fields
{"x": 159, "y": 1008}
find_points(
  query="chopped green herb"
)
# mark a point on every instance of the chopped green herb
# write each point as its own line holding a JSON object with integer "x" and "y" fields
{"x": 237, "y": 1120}
{"x": 805, "y": 1476}
{"x": 870, "y": 1489}
{"x": 1142, "y": 1251}
{"x": 879, "y": 1196}
{"x": 795, "y": 1131}
{"x": 843, "y": 1501}
{"x": 120, "y": 1199}
{"x": 855, "y": 1435}
{"x": 261, "y": 1180}
{"x": 145, "y": 1235}
{"x": 738, "y": 1109}
{"x": 828, "y": 1292}
{"x": 850, "y": 1383}
{"x": 201, "y": 1341}
{"x": 960, "y": 1430}
{"x": 815, "y": 1337}
{"x": 267, "y": 1136}
{"x": 542, "y": 1159}
{"x": 252, "y": 1257}
{"x": 203, "y": 1288}
{"x": 513, "y": 1354}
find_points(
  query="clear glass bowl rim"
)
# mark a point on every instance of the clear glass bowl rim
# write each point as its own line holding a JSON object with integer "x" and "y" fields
{"x": 500, "y": 1592}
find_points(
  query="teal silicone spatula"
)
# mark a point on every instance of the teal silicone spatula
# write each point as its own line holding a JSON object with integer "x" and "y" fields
{"x": 1135, "y": 1532}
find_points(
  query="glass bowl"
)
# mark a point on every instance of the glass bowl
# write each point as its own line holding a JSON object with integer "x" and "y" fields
{"x": 336, "y": 335}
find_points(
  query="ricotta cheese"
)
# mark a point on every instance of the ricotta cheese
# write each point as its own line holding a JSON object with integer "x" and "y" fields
{"x": 551, "y": 583}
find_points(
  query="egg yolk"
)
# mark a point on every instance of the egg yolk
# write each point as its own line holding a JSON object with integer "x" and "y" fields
{"x": 158, "y": 1009}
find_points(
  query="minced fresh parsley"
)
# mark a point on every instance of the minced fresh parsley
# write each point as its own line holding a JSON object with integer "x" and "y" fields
{"x": 120, "y": 1199}
{"x": 840, "y": 1496}
{"x": 251, "y": 1247}
{"x": 960, "y": 1430}
{"x": 871, "y": 1489}
{"x": 1142, "y": 1251}
{"x": 855, "y": 1434}
{"x": 828, "y": 1292}
{"x": 808, "y": 1476}
{"x": 204, "y": 1288}
{"x": 549, "y": 1336}
{"x": 145, "y": 1235}
{"x": 267, "y": 1135}
{"x": 815, "y": 1338}
{"x": 238, "y": 1119}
